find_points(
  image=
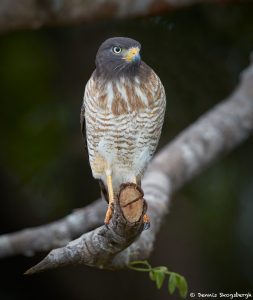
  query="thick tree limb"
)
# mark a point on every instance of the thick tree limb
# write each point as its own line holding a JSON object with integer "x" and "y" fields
{"x": 31, "y": 14}
{"x": 105, "y": 241}
{"x": 214, "y": 134}
{"x": 55, "y": 234}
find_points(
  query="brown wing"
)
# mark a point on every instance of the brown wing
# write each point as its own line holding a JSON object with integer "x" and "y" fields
{"x": 83, "y": 128}
{"x": 104, "y": 193}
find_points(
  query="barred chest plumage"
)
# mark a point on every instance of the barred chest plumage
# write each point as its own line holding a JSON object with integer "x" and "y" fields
{"x": 123, "y": 123}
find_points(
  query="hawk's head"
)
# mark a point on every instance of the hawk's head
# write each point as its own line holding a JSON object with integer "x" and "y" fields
{"x": 118, "y": 56}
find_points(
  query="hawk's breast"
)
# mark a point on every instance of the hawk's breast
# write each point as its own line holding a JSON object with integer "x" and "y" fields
{"x": 123, "y": 124}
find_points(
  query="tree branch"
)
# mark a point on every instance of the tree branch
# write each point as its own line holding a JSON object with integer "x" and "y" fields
{"x": 104, "y": 242}
{"x": 55, "y": 234}
{"x": 214, "y": 134}
{"x": 31, "y": 14}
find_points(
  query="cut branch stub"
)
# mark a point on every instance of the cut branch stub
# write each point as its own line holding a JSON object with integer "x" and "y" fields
{"x": 132, "y": 202}
{"x": 98, "y": 247}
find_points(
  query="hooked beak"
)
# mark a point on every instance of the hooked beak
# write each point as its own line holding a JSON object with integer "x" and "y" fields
{"x": 132, "y": 54}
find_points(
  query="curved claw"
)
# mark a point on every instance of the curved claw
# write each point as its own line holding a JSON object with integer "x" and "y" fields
{"x": 146, "y": 226}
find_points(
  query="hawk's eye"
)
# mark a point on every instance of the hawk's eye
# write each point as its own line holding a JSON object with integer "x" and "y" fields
{"x": 116, "y": 49}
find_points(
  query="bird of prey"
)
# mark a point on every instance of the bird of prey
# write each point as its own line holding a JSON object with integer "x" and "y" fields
{"x": 121, "y": 116}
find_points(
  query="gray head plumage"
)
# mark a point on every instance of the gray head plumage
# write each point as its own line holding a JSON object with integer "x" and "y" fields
{"x": 118, "y": 56}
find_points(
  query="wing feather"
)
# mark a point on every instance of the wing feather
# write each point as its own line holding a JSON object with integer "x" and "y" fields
{"x": 104, "y": 193}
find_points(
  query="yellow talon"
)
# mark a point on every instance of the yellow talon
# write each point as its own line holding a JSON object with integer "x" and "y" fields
{"x": 109, "y": 211}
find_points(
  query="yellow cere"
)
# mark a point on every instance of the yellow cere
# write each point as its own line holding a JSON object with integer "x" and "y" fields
{"x": 131, "y": 53}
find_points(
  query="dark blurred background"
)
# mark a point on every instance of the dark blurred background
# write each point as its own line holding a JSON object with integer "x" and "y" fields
{"x": 198, "y": 53}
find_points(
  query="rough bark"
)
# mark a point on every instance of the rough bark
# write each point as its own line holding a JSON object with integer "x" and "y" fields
{"x": 106, "y": 241}
{"x": 55, "y": 234}
{"x": 32, "y": 14}
{"x": 214, "y": 134}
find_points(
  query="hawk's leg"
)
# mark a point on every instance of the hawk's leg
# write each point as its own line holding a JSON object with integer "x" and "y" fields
{"x": 109, "y": 211}
{"x": 146, "y": 219}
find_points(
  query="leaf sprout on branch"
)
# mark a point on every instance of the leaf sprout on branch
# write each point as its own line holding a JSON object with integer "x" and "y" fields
{"x": 158, "y": 275}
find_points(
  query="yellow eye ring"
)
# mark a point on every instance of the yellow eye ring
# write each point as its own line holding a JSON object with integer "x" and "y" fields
{"x": 117, "y": 50}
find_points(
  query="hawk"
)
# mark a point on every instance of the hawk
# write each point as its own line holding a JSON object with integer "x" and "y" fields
{"x": 121, "y": 116}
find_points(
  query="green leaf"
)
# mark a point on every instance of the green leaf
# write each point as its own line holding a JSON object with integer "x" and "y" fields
{"x": 182, "y": 286}
{"x": 162, "y": 269}
{"x": 159, "y": 278}
{"x": 152, "y": 275}
{"x": 172, "y": 283}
